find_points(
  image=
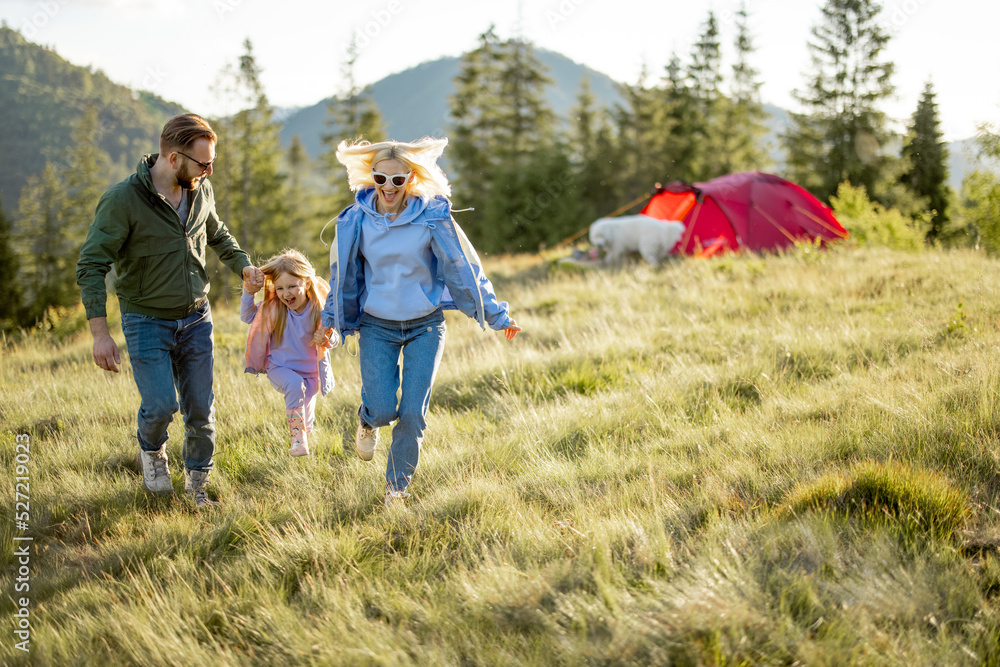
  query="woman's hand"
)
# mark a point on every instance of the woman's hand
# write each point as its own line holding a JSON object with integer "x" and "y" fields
{"x": 323, "y": 339}
{"x": 511, "y": 330}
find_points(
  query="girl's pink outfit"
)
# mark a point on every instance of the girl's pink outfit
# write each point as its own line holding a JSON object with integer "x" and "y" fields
{"x": 295, "y": 367}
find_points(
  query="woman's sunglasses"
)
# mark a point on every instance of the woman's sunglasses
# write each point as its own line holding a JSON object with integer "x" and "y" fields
{"x": 399, "y": 180}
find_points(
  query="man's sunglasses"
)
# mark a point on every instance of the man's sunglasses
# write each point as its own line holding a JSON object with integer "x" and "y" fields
{"x": 399, "y": 180}
{"x": 203, "y": 165}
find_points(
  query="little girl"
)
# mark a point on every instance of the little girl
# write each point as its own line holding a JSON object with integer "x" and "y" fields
{"x": 281, "y": 339}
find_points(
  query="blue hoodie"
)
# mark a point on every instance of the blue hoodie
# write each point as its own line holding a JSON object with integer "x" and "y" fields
{"x": 399, "y": 271}
{"x": 414, "y": 264}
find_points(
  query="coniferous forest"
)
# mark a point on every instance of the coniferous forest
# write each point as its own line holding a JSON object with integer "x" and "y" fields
{"x": 534, "y": 177}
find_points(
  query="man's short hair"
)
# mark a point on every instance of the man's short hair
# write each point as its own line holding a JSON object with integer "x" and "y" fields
{"x": 182, "y": 131}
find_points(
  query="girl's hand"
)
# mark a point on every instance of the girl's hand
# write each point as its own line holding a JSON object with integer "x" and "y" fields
{"x": 253, "y": 279}
{"x": 511, "y": 330}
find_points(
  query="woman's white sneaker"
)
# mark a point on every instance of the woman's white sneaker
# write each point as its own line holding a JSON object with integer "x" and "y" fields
{"x": 395, "y": 498}
{"x": 365, "y": 441}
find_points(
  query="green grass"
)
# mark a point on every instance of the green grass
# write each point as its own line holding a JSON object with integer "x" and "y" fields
{"x": 746, "y": 460}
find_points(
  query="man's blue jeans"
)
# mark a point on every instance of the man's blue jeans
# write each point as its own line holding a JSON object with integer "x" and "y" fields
{"x": 382, "y": 342}
{"x": 171, "y": 359}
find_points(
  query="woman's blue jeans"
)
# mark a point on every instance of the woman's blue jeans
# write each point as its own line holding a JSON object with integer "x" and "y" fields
{"x": 171, "y": 359}
{"x": 399, "y": 355}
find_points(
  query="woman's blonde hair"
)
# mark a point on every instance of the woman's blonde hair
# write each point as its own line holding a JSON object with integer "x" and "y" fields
{"x": 294, "y": 263}
{"x": 419, "y": 156}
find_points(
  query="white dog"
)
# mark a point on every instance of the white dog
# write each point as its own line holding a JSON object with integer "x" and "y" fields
{"x": 647, "y": 236}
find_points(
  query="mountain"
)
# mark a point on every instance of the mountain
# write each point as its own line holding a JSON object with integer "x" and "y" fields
{"x": 414, "y": 103}
{"x": 42, "y": 97}
{"x": 963, "y": 157}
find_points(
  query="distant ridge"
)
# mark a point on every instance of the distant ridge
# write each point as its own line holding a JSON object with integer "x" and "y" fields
{"x": 414, "y": 103}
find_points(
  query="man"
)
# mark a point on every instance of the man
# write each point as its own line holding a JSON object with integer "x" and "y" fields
{"x": 154, "y": 227}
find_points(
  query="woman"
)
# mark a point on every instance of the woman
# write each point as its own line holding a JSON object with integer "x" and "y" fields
{"x": 398, "y": 260}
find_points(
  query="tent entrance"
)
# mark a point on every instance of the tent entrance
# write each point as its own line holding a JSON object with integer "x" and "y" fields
{"x": 671, "y": 206}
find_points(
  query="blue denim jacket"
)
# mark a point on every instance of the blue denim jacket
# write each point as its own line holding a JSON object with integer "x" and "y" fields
{"x": 467, "y": 288}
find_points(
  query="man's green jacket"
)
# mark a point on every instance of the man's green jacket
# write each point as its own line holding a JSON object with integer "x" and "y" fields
{"x": 159, "y": 262}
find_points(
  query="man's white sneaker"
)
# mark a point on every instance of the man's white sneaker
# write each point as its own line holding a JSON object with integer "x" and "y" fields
{"x": 155, "y": 474}
{"x": 194, "y": 487}
{"x": 365, "y": 441}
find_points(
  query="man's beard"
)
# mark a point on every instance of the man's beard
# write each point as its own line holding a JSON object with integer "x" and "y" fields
{"x": 189, "y": 183}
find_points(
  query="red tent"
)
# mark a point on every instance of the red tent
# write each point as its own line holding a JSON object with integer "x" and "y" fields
{"x": 750, "y": 210}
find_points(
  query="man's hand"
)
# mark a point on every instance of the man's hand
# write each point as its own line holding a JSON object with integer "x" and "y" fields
{"x": 253, "y": 279}
{"x": 105, "y": 349}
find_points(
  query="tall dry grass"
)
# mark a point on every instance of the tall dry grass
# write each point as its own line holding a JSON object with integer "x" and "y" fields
{"x": 738, "y": 461}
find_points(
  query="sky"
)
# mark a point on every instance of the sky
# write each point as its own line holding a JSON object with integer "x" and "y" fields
{"x": 177, "y": 48}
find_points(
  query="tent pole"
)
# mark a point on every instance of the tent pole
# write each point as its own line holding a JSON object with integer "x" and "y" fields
{"x": 774, "y": 222}
{"x": 689, "y": 228}
{"x": 614, "y": 214}
{"x": 819, "y": 222}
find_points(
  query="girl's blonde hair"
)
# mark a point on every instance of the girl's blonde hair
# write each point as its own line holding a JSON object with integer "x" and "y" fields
{"x": 419, "y": 156}
{"x": 294, "y": 263}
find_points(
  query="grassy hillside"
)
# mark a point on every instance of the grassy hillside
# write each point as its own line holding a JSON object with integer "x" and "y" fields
{"x": 782, "y": 460}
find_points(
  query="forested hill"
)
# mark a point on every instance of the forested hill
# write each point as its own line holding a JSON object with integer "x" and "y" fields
{"x": 42, "y": 98}
{"x": 414, "y": 103}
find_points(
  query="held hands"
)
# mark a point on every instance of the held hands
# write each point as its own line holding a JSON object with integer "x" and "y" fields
{"x": 511, "y": 330}
{"x": 253, "y": 279}
{"x": 323, "y": 338}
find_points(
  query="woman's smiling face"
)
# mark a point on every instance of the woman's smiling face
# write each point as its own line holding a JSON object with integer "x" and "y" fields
{"x": 391, "y": 198}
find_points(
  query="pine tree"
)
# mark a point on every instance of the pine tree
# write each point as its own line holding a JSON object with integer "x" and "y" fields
{"x": 303, "y": 222}
{"x": 10, "y": 298}
{"x": 679, "y": 124}
{"x": 54, "y": 211}
{"x": 840, "y": 137}
{"x": 85, "y": 177}
{"x": 592, "y": 150}
{"x": 526, "y": 123}
{"x": 249, "y": 178}
{"x": 351, "y": 115}
{"x": 744, "y": 112}
{"x": 708, "y": 124}
{"x": 44, "y": 246}
{"x": 927, "y": 154}
{"x": 475, "y": 118}
{"x": 642, "y": 130}
{"x": 507, "y": 158}
{"x": 705, "y": 70}
{"x": 499, "y": 112}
